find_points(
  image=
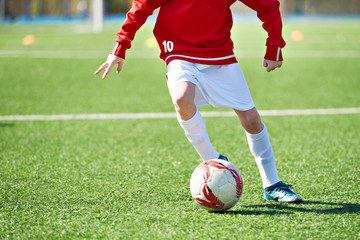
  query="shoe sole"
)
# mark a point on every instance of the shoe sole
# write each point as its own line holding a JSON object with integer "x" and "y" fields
{"x": 296, "y": 201}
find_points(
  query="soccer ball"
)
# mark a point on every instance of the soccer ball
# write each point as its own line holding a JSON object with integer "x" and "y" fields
{"x": 216, "y": 185}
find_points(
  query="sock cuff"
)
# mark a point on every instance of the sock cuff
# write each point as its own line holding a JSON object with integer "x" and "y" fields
{"x": 257, "y": 136}
{"x": 190, "y": 122}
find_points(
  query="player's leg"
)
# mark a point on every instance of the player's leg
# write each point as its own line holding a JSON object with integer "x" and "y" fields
{"x": 183, "y": 97}
{"x": 191, "y": 121}
{"x": 260, "y": 147}
{"x": 225, "y": 86}
{"x": 250, "y": 120}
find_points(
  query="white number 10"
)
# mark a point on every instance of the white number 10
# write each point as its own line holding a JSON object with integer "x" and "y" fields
{"x": 168, "y": 46}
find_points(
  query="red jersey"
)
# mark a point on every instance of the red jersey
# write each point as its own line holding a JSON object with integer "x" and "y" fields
{"x": 199, "y": 30}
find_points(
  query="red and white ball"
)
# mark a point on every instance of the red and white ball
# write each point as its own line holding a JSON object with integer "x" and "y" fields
{"x": 216, "y": 185}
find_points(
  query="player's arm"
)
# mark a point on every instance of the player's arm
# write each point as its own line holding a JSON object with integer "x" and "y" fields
{"x": 269, "y": 13}
{"x": 135, "y": 18}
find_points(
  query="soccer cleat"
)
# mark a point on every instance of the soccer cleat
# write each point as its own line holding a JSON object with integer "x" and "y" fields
{"x": 281, "y": 192}
{"x": 222, "y": 157}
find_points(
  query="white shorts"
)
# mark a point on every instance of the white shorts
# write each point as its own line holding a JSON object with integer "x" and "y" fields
{"x": 216, "y": 85}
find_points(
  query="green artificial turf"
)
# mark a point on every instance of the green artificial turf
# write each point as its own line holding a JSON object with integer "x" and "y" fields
{"x": 129, "y": 179}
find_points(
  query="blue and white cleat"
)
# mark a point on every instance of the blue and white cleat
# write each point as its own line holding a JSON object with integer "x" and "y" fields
{"x": 281, "y": 192}
{"x": 223, "y": 157}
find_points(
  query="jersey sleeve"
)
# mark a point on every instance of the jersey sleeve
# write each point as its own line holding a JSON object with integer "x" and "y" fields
{"x": 269, "y": 13}
{"x": 135, "y": 18}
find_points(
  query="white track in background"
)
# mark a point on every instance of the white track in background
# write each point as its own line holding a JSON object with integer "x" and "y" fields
{"x": 105, "y": 116}
{"x": 154, "y": 54}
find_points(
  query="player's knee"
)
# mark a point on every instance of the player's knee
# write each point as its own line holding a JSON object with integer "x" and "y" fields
{"x": 253, "y": 118}
{"x": 183, "y": 101}
{"x": 251, "y": 121}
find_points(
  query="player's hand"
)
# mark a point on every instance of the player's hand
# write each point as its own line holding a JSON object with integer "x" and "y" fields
{"x": 271, "y": 65}
{"x": 109, "y": 64}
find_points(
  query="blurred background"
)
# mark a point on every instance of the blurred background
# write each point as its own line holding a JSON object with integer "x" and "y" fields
{"x": 18, "y": 11}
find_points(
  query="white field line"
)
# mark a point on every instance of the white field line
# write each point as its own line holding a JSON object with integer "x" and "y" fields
{"x": 151, "y": 54}
{"x": 100, "y": 116}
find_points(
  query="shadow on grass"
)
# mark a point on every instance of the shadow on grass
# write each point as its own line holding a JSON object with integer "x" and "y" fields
{"x": 305, "y": 206}
{"x": 7, "y": 124}
{"x": 254, "y": 212}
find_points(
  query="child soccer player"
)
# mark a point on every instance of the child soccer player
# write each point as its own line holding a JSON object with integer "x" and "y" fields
{"x": 195, "y": 43}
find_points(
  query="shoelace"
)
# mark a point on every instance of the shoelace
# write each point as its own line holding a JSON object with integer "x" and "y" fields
{"x": 282, "y": 187}
{"x": 285, "y": 188}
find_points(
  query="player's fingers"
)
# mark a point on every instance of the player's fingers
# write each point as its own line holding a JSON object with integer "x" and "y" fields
{"x": 100, "y": 68}
{"x": 268, "y": 65}
{"x": 120, "y": 65}
{"x": 271, "y": 67}
{"x": 118, "y": 69}
{"x": 265, "y": 63}
{"x": 107, "y": 70}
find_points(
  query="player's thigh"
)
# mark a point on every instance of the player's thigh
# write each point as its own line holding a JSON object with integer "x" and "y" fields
{"x": 184, "y": 92}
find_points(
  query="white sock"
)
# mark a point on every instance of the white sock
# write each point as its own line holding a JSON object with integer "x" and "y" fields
{"x": 261, "y": 149}
{"x": 197, "y": 135}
